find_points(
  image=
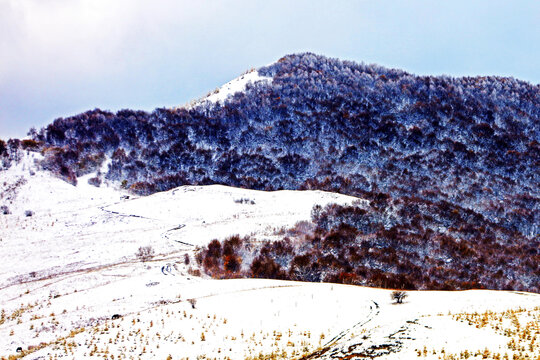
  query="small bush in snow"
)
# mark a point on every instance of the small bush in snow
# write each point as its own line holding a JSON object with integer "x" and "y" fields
{"x": 5, "y": 210}
{"x": 96, "y": 181}
{"x": 145, "y": 253}
{"x": 194, "y": 272}
{"x": 398, "y": 296}
{"x": 244, "y": 201}
{"x": 28, "y": 213}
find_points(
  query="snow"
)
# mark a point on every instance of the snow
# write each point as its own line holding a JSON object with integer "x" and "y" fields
{"x": 66, "y": 270}
{"x": 203, "y": 213}
{"x": 232, "y": 87}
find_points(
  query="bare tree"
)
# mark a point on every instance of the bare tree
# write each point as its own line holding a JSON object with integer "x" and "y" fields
{"x": 398, "y": 296}
{"x": 145, "y": 253}
{"x": 193, "y": 303}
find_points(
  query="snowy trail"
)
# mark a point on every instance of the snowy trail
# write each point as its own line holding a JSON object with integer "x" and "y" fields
{"x": 373, "y": 312}
{"x": 366, "y": 339}
{"x": 165, "y": 235}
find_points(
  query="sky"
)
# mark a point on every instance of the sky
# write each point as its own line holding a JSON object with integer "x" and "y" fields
{"x": 62, "y": 57}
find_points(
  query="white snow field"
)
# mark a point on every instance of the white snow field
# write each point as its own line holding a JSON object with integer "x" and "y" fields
{"x": 70, "y": 268}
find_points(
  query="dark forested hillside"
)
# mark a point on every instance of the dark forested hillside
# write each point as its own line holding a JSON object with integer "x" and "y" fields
{"x": 404, "y": 243}
{"x": 471, "y": 144}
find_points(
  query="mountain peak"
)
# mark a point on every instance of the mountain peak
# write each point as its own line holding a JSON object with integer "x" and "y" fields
{"x": 323, "y": 123}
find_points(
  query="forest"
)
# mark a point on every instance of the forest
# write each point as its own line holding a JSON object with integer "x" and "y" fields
{"x": 404, "y": 243}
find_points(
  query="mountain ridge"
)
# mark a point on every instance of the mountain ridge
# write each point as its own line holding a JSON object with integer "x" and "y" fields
{"x": 447, "y": 160}
{"x": 302, "y": 138}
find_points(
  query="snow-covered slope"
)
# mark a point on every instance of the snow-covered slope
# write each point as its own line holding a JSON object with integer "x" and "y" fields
{"x": 69, "y": 268}
{"x": 87, "y": 226}
{"x": 236, "y": 85}
{"x": 198, "y": 214}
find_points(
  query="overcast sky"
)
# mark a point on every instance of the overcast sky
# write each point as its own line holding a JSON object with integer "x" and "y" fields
{"x": 62, "y": 57}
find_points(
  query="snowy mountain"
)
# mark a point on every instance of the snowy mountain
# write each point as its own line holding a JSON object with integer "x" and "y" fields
{"x": 448, "y": 167}
{"x": 310, "y": 122}
{"x": 274, "y": 218}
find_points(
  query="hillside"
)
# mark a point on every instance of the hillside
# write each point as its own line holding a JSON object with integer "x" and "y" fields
{"x": 310, "y": 122}
{"x": 448, "y": 168}
{"x": 73, "y": 286}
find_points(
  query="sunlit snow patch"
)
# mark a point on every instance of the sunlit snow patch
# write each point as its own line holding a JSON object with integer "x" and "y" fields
{"x": 232, "y": 87}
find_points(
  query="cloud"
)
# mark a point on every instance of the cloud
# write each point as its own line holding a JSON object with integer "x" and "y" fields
{"x": 58, "y": 39}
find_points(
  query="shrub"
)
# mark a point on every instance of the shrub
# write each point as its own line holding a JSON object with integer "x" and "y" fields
{"x": 398, "y": 296}
{"x": 29, "y": 144}
{"x": 244, "y": 201}
{"x": 96, "y": 181}
{"x": 145, "y": 253}
{"x": 265, "y": 267}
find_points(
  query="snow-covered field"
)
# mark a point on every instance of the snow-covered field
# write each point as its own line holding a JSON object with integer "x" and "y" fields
{"x": 71, "y": 267}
